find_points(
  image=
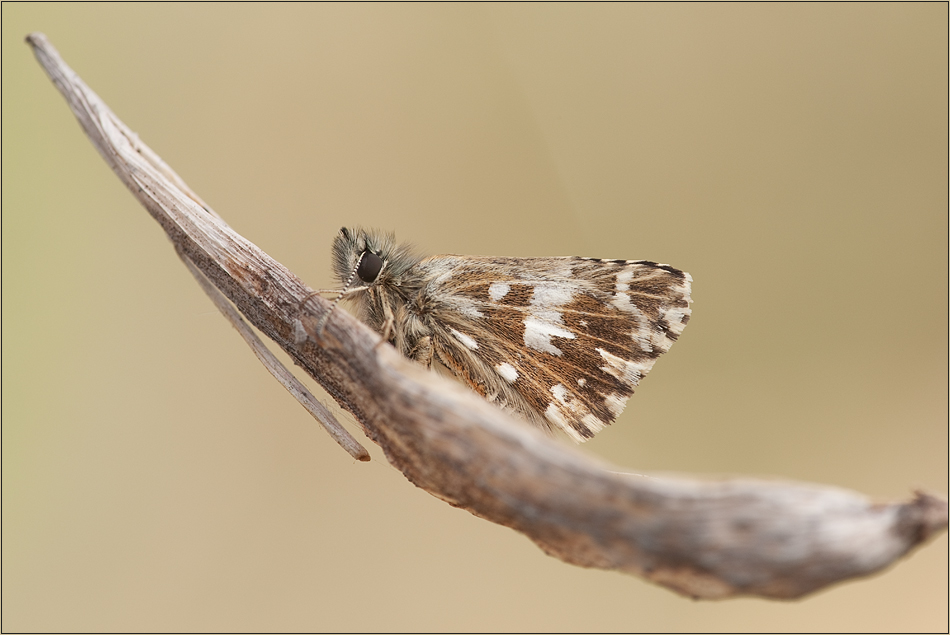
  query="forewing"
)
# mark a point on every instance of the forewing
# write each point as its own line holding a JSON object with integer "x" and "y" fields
{"x": 561, "y": 341}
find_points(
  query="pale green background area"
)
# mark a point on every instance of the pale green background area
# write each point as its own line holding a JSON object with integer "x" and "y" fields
{"x": 793, "y": 158}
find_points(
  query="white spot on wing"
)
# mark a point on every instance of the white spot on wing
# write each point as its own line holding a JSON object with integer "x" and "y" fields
{"x": 553, "y": 414}
{"x": 544, "y": 318}
{"x": 498, "y": 290}
{"x": 643, "y": 335}
{"x": 440, "y": 269}
{"x": 624, "y": 277}
{"x": 615, "y": 403}
{"x": 550, "y": 295}
{"x": 571, "y": 414}
{"x": 593, "y": 423}
{"x": 559, "y": 392}
{"x": 464, "y": 306}
{"x": 581, "y": 382}
{"x": 508, "y": 372}
{"x": 538, "y": 334}
{"x": 626, "y": 371}
{"x": 465, "y": 339}
{"x": 674, "y": 318}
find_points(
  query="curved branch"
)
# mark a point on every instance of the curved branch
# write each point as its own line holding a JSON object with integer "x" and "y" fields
{"x": 707, "y": 539}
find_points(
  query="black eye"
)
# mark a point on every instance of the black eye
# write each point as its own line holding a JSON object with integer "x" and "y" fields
{"x": 369, "y": 266}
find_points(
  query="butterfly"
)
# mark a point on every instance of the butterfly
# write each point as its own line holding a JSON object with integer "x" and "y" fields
{"x": 560, "y": 342}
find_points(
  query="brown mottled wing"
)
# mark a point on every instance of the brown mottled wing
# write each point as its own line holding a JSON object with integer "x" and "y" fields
{"x": 561, "y": 341}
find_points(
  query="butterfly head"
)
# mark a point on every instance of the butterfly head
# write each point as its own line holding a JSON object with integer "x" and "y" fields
{"x": 367, "y": 258}
{"x": 360, "y": 257}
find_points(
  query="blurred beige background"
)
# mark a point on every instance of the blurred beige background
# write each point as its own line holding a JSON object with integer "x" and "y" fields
{"x": 793, "y": 158}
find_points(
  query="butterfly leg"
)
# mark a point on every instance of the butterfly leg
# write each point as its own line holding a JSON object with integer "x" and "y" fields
{"x": 422, "y": 351}
{"x": 389, "y": 319}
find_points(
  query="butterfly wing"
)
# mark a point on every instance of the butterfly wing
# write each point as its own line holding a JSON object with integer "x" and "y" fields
{"x": 562, "y": 342}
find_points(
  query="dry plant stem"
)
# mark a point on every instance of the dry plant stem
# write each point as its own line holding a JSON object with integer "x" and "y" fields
{"x": 275, "y": 368}
{"x": 131, "y": 159}
{"x": 708, "y": 539}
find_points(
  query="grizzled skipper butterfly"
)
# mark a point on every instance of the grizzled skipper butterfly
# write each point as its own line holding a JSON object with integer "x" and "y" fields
{"x": 560, "y": 342}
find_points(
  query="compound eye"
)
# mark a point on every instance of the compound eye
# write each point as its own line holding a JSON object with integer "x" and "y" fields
{"x": 369, "y": 267}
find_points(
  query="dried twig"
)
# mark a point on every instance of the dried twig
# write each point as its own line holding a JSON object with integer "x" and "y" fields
{"x": 275, "y": 368}
{"x": 704, "y": 539}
